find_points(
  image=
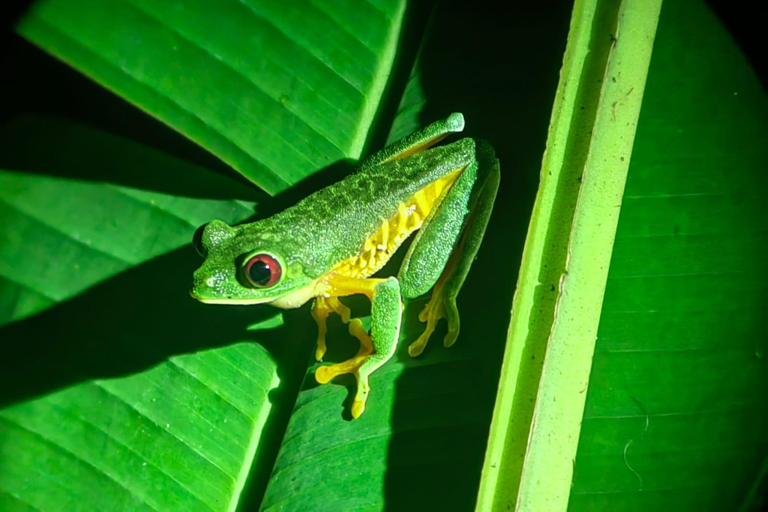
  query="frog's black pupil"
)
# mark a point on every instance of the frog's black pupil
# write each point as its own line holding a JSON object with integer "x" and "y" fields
{"x": 260, "y": 272}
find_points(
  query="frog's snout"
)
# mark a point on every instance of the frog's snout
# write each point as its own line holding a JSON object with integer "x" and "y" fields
{"x": 207, "y": 284}
{"x": 198, "y": 284}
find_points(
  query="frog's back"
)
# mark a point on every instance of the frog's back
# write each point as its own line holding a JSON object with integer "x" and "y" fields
{"x": 355, "y": 225}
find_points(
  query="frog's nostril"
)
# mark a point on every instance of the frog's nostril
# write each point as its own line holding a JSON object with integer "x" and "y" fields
{"x": 197, "y": 241}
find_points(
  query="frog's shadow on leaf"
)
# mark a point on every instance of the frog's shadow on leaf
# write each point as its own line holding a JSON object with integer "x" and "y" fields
{"x": 126, "y": 324}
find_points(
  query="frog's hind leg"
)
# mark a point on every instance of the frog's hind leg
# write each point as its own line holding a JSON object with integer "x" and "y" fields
{"x": 386, "y": 311}
{"x": 474, "y": 193}
{"x": 418, "y": 141}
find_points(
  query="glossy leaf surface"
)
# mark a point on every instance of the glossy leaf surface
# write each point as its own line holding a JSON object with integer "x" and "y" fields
{"x": 276, "y": 90}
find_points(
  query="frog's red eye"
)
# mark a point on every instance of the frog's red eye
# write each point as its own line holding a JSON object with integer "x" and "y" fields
{"x": 262, "y": 271}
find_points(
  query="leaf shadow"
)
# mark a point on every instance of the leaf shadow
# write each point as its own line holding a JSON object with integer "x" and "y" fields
{"x": 139, "y": 319}
{"x": 125, "y": 324}
{"x": 85, "y": 103}
{"x": 62, "y": 148}
{"x": 502, "y": 73}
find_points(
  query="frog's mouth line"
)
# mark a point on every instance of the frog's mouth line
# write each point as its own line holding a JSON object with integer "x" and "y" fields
{"x": 290, "y": 300}
{"x": 243, "y": 302}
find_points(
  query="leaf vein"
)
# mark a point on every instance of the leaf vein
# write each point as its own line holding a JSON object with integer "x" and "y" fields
{"x": 162, "y": 429}
{"x": 67, "y": 453}
{"x": 308, "y": 50}
{"x": 124, "y": 445}
{"x": 198, "y": 379}
{"x": 167, "y": 98}
{"x": 229, "y": 66}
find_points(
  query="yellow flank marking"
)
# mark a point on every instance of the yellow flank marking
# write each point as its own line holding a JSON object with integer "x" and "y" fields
{"x": 385, "y": 241}
{"x": 421, "y": 202}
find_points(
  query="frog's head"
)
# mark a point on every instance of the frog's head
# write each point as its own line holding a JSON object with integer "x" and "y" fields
{"x": 248, "y": 265}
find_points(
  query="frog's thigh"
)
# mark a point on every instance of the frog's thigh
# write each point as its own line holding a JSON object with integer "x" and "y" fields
{"x": 434, "y": 242}
{"x": 418, "y": 141}
{"x": 385, "y": 328}
{"x": 442, "y": 304}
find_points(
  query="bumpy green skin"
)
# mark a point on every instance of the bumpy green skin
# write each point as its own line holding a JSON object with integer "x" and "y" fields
{"x": 331, "y": 225}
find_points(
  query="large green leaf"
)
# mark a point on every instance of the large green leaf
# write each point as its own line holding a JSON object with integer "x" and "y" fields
{"x": 676, "y": 412}
{"x": 678, "y": 380}
{"x": 275, "y": 89}
{"x": 155, "y": 440}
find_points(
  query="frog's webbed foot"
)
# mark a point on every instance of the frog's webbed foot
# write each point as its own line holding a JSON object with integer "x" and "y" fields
{"x": 376, "y": 348}
{"x": 440, "y": 305}
{"x": 323, "y": 307}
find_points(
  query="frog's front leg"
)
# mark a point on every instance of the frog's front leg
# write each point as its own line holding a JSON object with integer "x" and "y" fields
{"x": 386, "y": 311}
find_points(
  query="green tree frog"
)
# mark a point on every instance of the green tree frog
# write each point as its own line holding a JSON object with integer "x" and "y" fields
{"x": 330, "y": 245}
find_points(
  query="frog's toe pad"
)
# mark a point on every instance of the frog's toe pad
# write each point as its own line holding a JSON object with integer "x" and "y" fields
{"x": 450, "y": 338}
{"x": 320, "y": 351}
{"x": 452, "y": 316}
{"x": 323, "y": 375}
{"x": 417, "y": 347}
{"x": 358, "y": 406}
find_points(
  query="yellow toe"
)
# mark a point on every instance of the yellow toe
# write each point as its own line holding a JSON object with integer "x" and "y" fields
{"x": 450, "y": 338}
{"x": 324, "y": 374}
{"x": 357, "y": 330}
{"x": 417, "y": 347}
